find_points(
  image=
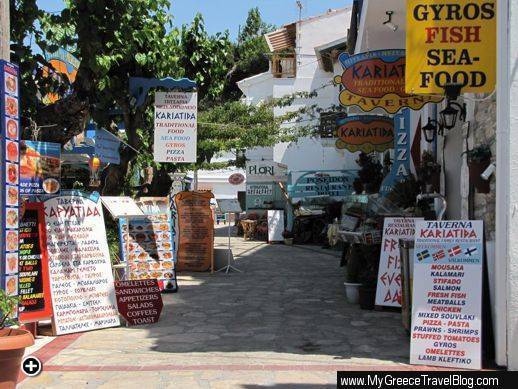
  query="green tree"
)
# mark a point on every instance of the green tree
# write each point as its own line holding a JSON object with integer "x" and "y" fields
{"x": 250, "y": 53}
{"x": 205, "y": 58}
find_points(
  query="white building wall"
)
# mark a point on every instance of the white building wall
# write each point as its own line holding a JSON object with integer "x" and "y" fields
{"x": 306, "y": 153}
{"x": 507, "y": 172}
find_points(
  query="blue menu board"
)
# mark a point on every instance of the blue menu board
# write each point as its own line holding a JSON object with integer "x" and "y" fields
{"x": 9, "y": 176}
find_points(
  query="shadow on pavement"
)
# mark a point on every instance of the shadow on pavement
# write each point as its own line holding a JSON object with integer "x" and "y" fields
{"x": 286, "y": 301}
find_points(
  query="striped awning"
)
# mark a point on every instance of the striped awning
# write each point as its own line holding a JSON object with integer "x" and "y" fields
{"x": 282, "y": 39}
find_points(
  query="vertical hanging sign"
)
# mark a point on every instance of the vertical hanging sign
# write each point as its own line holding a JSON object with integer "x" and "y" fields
{"x": 447, "y": 294}
{"x": 9, "y": 176}
{"x": 176, "y": 128}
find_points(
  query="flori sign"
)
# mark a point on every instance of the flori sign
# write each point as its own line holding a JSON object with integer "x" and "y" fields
{"x": 176, "y": 128}
{"x": 447, "y": 294}
{"x": 451, "y": 41}
{"x": 265, "y": 171}
{"x": 376, "y": 79}
{"x": 366, "y": 133}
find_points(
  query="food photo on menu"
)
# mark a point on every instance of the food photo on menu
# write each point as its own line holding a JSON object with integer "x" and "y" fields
{"x": 12, "y": 128}
{"x": 12, "y": 263}
{"x": 11, "y": 217}
{"x": 11, "y": 173}
{"x": 11, "y": 84}
{"x": 11, "y": 151}
{"x": 11, "y": 195}
{"x": 11, "y": 240}
{"x": 11, "y": 106}
{"x": 40, "y": 168}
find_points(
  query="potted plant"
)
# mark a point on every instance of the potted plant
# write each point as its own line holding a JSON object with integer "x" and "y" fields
{"x": 479, "y": 158}
{"x": 288, "y": 237}
{"x": 429, "y": 173}
{"x": 352, "y": 284}
{"x": 368, "y": 276}
{"x": 13, "y": 342}
{"x": 370, "y": 175}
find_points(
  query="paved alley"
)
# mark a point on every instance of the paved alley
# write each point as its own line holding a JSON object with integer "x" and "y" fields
{"x": 282, "y": 323}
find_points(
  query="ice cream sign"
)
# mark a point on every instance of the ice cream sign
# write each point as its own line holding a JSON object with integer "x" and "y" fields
{"x": 376, "y": 79}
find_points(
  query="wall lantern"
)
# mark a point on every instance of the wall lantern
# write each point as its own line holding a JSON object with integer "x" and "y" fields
{"x": 448, "y": 116}
{"x": 430, "y": 130}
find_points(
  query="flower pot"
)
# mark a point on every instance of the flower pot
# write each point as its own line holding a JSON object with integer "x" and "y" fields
{"x": 367, "y": 297}
{"x": 288, "y": 241}
{"x": 351, "y": 292}
{"x": 476, "y": 168}
{"x": 12, "y": 347}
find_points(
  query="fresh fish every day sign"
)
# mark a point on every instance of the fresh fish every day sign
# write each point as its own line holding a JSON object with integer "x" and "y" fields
{"x": 447, "y": 300}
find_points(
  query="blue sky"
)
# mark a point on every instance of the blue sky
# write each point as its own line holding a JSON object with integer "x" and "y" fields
{"x": 221, "y": 15}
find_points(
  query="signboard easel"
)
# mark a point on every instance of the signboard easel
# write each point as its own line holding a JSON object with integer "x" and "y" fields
{"x": 229, "y": 206}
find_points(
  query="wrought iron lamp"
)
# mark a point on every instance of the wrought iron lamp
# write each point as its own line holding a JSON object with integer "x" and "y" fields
{"x": 448, "y": 116}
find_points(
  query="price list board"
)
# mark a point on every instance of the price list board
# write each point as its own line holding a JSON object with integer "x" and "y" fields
{"x": 33, "y": 281}
{"x": 9, "y": 176}
{"x": 148, "y": 249}
{"x": 447, "y": 294}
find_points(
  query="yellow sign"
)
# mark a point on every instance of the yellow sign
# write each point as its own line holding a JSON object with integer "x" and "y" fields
{"x": 450, "y": 41}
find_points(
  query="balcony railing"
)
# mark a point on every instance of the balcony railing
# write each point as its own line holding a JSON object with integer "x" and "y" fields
{"x": 284, "y": 66}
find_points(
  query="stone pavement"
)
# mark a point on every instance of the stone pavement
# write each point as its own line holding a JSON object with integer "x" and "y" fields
{"x": 282, "y": 323}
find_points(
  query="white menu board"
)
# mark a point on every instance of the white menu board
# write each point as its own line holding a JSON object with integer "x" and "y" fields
{"x": 121, "y": 206}
{"x": 176, "y": 128}
{"x": 447, "y": 294}
{"x": 81, "y": 280}
{"x": 388, "y": 291}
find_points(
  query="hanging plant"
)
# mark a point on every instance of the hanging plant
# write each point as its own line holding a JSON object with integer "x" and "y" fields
{"x": 479, "y": 159}
{"x": 429, "y": 173}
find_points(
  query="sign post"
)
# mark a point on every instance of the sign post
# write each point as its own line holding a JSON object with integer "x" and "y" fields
{"x": 447, "y": 299}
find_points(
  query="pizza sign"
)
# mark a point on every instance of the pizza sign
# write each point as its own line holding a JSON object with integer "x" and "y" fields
{"x": 376, "y": 79}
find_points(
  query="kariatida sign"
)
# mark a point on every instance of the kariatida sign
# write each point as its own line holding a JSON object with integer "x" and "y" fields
{"x": 376, "y": 79}
{"x": 81, "y": 280}
{"x": 447, "y": 294}
{"x": 388, "y": 291}
{"x": 451, "y": 41}
{"x": 366, "y": 133}
{"x": 176, "y": 128}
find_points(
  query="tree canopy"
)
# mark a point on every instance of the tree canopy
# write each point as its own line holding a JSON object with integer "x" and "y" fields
{"x": 118, "y": 39}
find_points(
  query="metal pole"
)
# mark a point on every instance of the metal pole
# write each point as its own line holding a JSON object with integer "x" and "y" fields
{"x": 5, "y": 36}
